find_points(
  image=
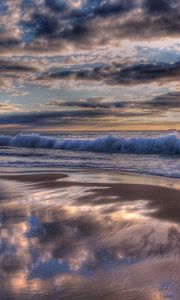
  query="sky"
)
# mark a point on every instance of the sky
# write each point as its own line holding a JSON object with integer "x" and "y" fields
{"x": 89, "y": 65}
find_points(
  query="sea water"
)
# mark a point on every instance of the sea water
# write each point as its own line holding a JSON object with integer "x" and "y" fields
{"x": 146, "y": 152}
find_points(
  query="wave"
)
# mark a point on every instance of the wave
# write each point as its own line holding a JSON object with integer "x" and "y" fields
{"x": 165, "y": 144}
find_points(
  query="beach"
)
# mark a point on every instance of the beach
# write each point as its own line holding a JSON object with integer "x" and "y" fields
{"x": 89, "y": 150}
{"x": 89, "y": 235}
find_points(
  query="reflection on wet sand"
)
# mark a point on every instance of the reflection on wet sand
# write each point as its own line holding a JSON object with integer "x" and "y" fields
{"x": 67, "y": 239}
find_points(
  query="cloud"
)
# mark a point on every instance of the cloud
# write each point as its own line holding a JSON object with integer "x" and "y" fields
{"x": 56, "y": 5}
{"x": 15, "y": 67}
{"x": 15, "y": 74}
{"x": 91, "y": 103}
{"x": 41, "y": 25}
{"x": 159, "y": 6}
{"x": 116, "y": 74}
{"x": 57, "y": 25}
{"x": 162, "y": 102}
{"x": 50, "y": 117}
{"x": 95, "y": 23}
{"x": 68, "y": 117}
{"x": 167, "y": 101}
{"x": 7, "y": 106}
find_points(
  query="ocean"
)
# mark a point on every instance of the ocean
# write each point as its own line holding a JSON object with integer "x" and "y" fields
{"x": 145, "y": 152}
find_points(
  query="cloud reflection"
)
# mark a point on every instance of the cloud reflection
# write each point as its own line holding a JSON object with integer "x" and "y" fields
{"x": 99, "y": 232}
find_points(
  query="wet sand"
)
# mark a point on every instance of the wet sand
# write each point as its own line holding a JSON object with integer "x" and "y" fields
{"x": 89, "y": 235}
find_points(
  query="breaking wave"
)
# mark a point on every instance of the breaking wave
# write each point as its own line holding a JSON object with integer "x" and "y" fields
{"x": 165, "y": 144}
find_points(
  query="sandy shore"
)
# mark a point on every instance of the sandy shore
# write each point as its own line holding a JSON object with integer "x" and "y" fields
{"x": 89, "y": 235}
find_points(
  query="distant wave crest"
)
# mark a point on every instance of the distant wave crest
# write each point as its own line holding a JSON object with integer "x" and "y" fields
{"x": 165, "y": 144}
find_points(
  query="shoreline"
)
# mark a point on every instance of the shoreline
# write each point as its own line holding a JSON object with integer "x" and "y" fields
{"x": 106, "y": 175}
{"x": 107, "y": 188}
{"x": 89, "y": 235}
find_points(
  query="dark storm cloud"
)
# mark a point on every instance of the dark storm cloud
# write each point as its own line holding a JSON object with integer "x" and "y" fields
{"x": 92, "y": 24}
{"x": 53, "y": 25}
{"x": 37, "y": 117}
{"x": 116, "y": 74}
{"x": 9, "y": 42}
{"x": 109, "y": 74}
{"x": 93, "y": 103}
{"x": 166, "y": 101}
{"x": 157, "y": 104}
{"x": 142, "y": 73}
{"x": 159, "y": 6}
{"x": 50, "y": 118}
{"x": 56, "y": 5}
{"x": 14, "y": 74}
{"x": 90, "y": 9}
{"x": 108, "y": 8}
{"x": 55, "y": 118}
{"x": 41, "y": 25}
{"x": 11, "y": 66}
{"x": 159, "y": 18}
{"x": 62, "y": 23}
